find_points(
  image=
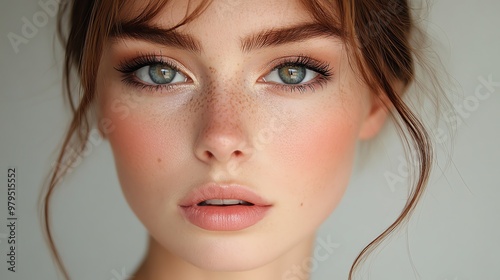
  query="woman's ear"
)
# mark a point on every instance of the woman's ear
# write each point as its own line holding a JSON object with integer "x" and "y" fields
{"x": 376, "y": 117}
{"x": 105, "y": 126}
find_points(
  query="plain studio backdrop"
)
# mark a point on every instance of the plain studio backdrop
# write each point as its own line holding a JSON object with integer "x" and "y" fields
{"x": 453, "y": 235}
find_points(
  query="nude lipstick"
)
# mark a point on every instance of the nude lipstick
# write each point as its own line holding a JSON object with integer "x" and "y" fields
{"x": 218, "y": 207}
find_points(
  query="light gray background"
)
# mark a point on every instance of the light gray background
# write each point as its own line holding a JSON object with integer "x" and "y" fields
{"x": 454, "y": 234}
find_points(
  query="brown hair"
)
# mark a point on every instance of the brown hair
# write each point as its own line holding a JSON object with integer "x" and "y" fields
{"x": 378, "y": 35}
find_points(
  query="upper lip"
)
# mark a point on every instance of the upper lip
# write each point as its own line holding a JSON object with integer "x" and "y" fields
{"x": 222, "y": 191}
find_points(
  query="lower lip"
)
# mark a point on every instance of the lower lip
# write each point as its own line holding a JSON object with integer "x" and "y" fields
{"x": 224, "y": 218}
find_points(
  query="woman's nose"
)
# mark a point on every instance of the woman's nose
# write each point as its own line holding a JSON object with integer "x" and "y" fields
{"x": 223, "y": 132}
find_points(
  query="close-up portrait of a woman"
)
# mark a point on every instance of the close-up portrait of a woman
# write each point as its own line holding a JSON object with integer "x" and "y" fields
{"x": 266, "y": 139}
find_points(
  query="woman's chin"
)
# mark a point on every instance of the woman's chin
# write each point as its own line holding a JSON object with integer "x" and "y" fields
{"x": 228, "y": 258}
{"x": 229, "y": 262}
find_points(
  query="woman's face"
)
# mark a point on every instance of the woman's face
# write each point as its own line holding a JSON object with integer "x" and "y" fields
{"x": 215, "y": 103}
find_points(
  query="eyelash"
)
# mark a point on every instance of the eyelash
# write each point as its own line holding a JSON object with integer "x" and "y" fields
{"x": 128, "y": 68}
{"x": 322, "y": 68}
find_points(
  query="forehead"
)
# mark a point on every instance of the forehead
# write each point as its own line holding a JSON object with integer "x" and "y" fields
{"x": 227, "y": 14}
{"x": 225, "y": 25}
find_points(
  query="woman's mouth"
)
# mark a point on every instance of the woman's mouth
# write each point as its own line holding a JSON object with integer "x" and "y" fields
{"x": 223, "y": 207}
{"x": 224, "y": 202}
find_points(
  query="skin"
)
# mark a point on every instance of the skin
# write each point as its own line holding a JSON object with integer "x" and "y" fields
{"x": 210, "y": 129}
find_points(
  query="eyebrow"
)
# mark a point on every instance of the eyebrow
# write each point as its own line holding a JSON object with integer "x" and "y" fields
{"x": 157, "y": 35}
{"x": 286, "y": 35}
{"x": 266, "y": 38}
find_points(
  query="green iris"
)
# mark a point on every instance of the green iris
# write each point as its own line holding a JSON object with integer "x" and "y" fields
{"x": 292, "y": 74}
{"x": 161, "y": 74}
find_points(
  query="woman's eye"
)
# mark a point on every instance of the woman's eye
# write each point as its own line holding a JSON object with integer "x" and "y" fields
{"x": 291, "y": 75}
{"x": 159, "y": 74}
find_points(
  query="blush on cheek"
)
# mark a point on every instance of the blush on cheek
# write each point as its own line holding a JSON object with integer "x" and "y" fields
{"x": 314, "y": 145}
{"x": 142, "y": 139}
{"x": 317, "y": 159}
{"x": 137, "y": 145}
{"x": 312, "y": 162}
{"x": 132, "y": 150}
{"x": 130, "y": 142}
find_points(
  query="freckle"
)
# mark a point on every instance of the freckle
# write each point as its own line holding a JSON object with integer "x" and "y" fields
{"x": 159, "y": 160}
{"x": 301, "y": 204}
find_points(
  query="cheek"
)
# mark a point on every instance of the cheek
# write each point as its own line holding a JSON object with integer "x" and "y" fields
{"x": 133, "y": 145}
{"x": 322, "y": 146}
{"x": 316, "y": 156}
{"x": 320, "y": 143}
{"x": 147, "y": 157}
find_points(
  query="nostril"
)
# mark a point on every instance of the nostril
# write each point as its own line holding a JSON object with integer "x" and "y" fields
{"x": 209, "y": 154}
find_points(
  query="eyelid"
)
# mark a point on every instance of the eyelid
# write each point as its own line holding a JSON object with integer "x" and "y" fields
{"x": 318, "y": 66}
{"x": 307, "y": 76}
{"x": 322, "y": 68}
{"x": 129, "y": 66}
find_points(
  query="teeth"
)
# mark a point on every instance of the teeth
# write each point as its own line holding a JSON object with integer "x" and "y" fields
{"x": 224, "y": 202}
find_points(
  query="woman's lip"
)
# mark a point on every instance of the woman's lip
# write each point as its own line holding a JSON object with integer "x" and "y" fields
{"x": 223, "y": 218}
{"x": 217, "y": 191}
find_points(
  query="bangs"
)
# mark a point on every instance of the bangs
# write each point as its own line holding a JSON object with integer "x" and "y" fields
{"x": 127, "y": 13}
{"x": 141, "y": 13}
{"x": 327, "y": 13}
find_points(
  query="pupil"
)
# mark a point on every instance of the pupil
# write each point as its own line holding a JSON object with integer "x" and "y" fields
{"x": 161, "y": 74}
{"x": 292, "y": 74}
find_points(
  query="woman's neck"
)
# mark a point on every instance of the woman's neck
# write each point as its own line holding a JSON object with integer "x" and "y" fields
{"x": 160, "y": 264}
